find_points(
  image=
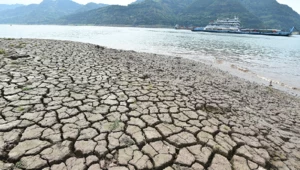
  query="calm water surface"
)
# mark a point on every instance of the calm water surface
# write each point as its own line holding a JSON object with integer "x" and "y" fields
{"x": 259, "y": 58}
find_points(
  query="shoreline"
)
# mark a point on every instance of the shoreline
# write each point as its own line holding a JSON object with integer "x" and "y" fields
{"x": 129, "y": 26}
{"x": 284, "y": 83}
{"x": 117, "y": 109}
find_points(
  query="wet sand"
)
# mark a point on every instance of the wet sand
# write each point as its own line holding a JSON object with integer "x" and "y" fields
{"x": 69, "y": 105}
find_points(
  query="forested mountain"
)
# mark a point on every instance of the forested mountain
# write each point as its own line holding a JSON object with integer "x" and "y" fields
{"x": 201, "y": 12}
{"x": 145, "y": 13}
{"x": 137, "y": 1}
{"x": 8, "y": 7}
{"x": 45, "y": 12}
{"x": 273, "y": 14}
{"x": 253, "y": 13}
{"x": 90, "y": 6}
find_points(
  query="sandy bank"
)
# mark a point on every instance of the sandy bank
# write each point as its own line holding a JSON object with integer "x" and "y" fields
{"x": 67, "y": 105}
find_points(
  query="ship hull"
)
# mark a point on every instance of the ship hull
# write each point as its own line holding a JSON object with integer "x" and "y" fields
{"x": 286, "y": 34}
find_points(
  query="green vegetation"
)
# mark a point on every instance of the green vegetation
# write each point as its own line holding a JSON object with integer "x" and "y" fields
{"x": 4, "y": 7}
{"x": 217, "y": 148}
{"x": 19, "y": 165}
{"x": 253, "y": 13}
{"x": 20, "y": 45}
{"x": 45, "y": 12}
{"x": 272, "y": 14}
{"x": 21, "y": 109}
{"x": 115, "y": 125}
{"x": 156, "y": 13}
{"x": 2, "y": 51}
{"x": 270, "y": 89}
{"x": 8, "y": 38}
{"x": 127, "y": 141}
{"x": 25, "y": 89}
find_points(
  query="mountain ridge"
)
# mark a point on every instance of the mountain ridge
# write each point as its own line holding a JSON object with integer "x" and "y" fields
{"x": 161, "y": 13}
{"x": 4, "y": 7}
{"x": 45, "y": 12}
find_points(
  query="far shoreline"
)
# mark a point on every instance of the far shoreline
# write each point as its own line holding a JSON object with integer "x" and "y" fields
{"x": 117, "y": 26}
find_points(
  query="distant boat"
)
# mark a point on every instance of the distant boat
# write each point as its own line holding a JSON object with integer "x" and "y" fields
{"x": 179, "y": 27}
{"x": 232, "y": 26}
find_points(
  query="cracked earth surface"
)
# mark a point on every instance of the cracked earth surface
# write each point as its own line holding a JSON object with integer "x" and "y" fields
{"x": 76, "y": 106}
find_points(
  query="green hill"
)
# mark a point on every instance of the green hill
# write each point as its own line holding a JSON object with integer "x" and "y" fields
{"x": 201, "y": 12}
{"x": 4, "y": 7}
{"x": 39, "y": 13}
{"x": 45, "y": 12}
{"x": 90, "y": 6}
{"x": 273, "y": 14}
{"x": 144, "y": 13}
{"x": 253, "y": 13}
{"x": 164, "y": 13}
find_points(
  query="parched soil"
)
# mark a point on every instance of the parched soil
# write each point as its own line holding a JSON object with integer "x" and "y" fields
{"x": 75, "y": 106}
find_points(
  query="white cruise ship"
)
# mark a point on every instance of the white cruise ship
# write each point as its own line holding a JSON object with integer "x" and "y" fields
{"x": 224, "y": 25}
{"x": 233, "y": 26}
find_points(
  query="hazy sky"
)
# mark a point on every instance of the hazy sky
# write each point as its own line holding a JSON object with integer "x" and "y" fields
{"x": 295, "y": 4}
{"x": 121, "y": 2}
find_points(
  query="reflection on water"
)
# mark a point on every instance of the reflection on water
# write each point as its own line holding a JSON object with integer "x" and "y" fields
{"x": 276, "y": 58}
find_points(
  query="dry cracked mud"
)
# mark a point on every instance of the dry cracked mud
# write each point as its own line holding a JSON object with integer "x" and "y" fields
{"x": 75, "y": 106}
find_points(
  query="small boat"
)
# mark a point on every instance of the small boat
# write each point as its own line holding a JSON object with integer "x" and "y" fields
{"x": 233, "y": 26}
{"x": 179, "y": 27}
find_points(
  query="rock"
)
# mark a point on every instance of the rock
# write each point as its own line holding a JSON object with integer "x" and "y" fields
{"x": 151, "y": 134}
{"x": 118, "y": 168}
{"x": 27, "y": 147}
{"x": 57, "y": 152}
{"x": 75, "y": 163}
{"x": 61, "y": 166}
{"x": 87, "y": 134}
{"x": 168, "y": 129}
{"x": 6, "y": 166}
{"x": 161, "y": 152}
{"x": 141, "y": 161}
{"x": 126, "y": 154}
{"x": 70, "y": 131}
{"x": 9, "y": 125}
{"x": 201, "y": 153}
{"x": 94, "y": 167}
{"x": 182, "y": 139}
{"x": 185, "y": 157}
{"x": 78, "y": 96}
{"x": 137, "y": 122}
{"x": 197, "y": 166}
{"x": 101, "y": 148}
{"x": 33, "y": 162}
{"x": 110, "y": 102}
{"x": 91, "y": 159}
{"x": 15, "y": 57}
{"x": 85, "y": 147}
{"x": 162, "y": 160}
{"x": 204, "y": 137}
{"x": 32, "y": 132}
{"x": 102, "y": 109}
{"x": 239, "y": 163}
{"x": 220, "y": 162}
{"x": 136, "y": 133}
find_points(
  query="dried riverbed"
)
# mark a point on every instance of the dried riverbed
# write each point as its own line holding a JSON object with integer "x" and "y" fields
{"x": 68, "y": 105}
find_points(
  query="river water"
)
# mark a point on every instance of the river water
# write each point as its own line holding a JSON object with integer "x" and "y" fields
{"x": 253, "y": 57}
